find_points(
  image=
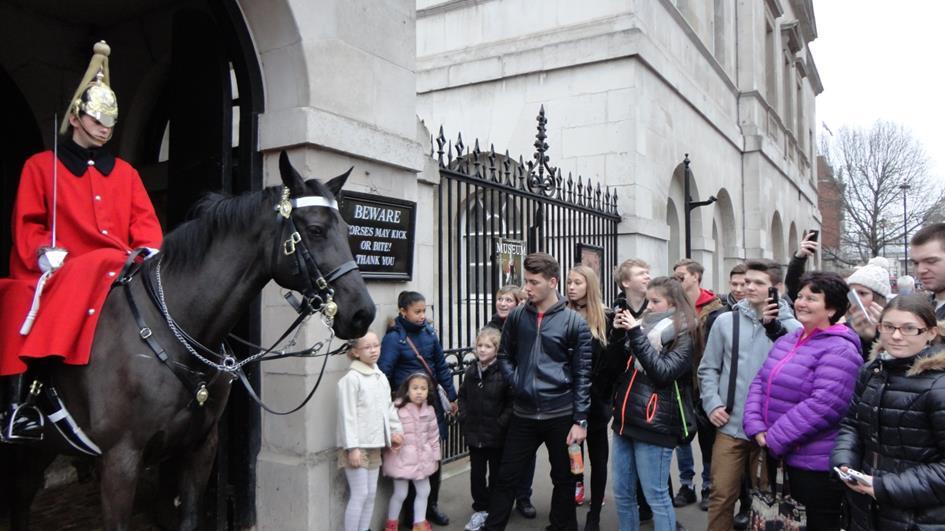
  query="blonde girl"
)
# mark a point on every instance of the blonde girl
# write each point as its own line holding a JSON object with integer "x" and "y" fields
{"x": 367, "y": 423}
{"x": 584, "y": 296}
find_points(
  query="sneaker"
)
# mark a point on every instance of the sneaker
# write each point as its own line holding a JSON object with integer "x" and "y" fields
{"x": 685, "y": 496}
{"x": 525, "y": 508}
{"x": 476, "y": 521}
{"x": 704, "y": 502}
{"x": 579, "y": 493}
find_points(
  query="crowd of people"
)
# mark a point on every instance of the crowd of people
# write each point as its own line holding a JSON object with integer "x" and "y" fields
{"x": 835, "y": 384}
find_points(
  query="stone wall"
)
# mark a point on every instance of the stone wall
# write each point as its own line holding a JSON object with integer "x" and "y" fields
{"x": 340, "y": 92}
{"x": 629, "y": 89}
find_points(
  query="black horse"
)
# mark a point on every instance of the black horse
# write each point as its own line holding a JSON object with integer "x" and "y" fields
{"x": 137, "y": 410}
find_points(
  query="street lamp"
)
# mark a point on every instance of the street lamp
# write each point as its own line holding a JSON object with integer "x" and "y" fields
{"x": 905, "y": 228}
{"x": 882, "y": 227}
{"x": 691, "y": 205}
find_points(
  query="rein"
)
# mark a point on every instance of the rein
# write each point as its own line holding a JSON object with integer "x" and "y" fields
{"x": 317, "y": 298}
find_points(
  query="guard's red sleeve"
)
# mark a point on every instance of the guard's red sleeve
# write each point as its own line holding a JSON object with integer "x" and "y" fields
{"x": 30, "y": 216}
{"x": 145, "y": 229}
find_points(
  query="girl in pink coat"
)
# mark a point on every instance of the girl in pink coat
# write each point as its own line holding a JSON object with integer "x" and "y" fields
{"x": 418, "y": 458}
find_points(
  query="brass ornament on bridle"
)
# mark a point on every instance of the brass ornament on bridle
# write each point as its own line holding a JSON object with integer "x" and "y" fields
{"x": 284, "y": 208}
{"x": 202, "y": 395}
{"x": 329, "y": 309}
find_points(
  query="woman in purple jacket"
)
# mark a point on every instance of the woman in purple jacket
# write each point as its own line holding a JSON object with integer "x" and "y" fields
{"x": 800, "y": 395}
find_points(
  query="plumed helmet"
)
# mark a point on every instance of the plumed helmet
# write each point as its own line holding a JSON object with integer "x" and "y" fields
{"x": 94, "y": 96}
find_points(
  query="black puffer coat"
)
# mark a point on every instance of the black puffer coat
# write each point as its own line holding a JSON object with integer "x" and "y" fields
{"x": 895, "y": 431}
{"x": 485, "y": 406}
{"x": 646, "y": 404}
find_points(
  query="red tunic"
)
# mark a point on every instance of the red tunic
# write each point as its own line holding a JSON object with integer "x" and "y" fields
{"x": 100, "y": 219}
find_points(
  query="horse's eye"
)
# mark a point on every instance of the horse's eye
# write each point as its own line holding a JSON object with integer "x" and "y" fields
{"x": 315, "y": 230}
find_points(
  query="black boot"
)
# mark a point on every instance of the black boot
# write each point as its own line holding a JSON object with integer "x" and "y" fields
{"x": 22, "y": 420}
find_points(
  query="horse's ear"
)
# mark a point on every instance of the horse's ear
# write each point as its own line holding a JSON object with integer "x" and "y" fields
{"x": 290, "y": 178}
{"x": 336, "y": 184}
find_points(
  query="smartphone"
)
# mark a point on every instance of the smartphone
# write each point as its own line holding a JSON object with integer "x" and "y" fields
{"x": 620, "y": 305}
{"x": 773, "y": 294}
{"x": 858, "y": 302}
{"x": 843, "y": 475}
{"x": 860, "y": 477}
{"x": 812, "y": 235}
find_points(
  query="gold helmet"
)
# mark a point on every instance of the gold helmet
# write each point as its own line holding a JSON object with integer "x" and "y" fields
{"x": 94, "y": 97}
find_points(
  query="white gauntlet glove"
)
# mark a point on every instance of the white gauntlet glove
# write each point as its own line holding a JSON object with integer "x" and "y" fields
{"x": 51, "y": 258}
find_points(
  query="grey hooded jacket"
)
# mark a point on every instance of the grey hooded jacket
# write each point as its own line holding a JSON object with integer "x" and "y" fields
{"x": 715, "y": 368}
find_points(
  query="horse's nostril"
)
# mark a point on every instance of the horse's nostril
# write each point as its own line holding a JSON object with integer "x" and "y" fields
{"x": 363, "y": 319}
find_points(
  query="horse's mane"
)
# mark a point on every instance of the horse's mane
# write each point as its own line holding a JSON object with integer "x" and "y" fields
{"x": 213, "y": 216}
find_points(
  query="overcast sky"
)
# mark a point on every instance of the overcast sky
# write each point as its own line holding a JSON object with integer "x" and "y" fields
{"x": 883, "y": 60}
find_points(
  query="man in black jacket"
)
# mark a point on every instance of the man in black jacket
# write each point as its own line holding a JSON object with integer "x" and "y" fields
{"x": 927, "y": 251}
{"x": 546, "y": 353}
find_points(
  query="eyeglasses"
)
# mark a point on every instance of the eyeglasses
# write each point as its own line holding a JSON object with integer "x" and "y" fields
{"x": 906, "y": 330}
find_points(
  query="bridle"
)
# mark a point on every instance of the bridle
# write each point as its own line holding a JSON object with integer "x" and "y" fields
{"x": 317, "y": 297}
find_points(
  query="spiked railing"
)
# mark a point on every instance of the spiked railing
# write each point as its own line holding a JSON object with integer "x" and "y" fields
{"x": 537, "y": 176}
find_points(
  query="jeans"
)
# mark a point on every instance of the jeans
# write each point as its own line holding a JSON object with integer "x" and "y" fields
{"x": 631, "y": 459}
{"x": 522, "y": 441}
{"x": 687, "y": 466}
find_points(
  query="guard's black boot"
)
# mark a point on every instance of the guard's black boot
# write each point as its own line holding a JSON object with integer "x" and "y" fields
{"x": 22, "y": 421}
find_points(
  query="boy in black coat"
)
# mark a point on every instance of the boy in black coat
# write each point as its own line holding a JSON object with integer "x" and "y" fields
{"x": 485, "y": 407}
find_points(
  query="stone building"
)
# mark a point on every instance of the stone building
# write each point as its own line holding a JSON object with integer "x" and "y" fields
{"x": 629, "y": 89}
{"x": 210, "y": 91}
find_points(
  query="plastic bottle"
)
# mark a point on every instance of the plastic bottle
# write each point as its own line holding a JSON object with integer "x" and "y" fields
{"x": 577, "y": 459}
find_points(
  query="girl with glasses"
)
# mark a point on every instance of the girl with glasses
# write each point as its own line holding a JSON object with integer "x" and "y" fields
{"x": 894, "y": 433}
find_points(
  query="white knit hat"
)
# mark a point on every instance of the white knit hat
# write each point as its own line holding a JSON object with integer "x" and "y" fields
{"x": 874, "y": 275}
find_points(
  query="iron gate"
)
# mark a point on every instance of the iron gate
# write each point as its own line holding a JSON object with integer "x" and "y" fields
{"x": 484, "y": 196}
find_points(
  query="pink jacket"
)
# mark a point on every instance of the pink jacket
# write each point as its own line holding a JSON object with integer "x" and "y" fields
{"x": 417, "y": 458}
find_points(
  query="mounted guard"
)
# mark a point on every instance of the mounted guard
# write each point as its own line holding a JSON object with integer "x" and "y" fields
{"x": 79, "y": 213}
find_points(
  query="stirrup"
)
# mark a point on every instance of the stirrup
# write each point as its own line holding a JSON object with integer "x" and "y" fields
{"x": 33, "y": 431}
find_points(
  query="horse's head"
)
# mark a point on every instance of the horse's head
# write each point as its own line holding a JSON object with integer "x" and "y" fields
{"x": 314, "y": 253}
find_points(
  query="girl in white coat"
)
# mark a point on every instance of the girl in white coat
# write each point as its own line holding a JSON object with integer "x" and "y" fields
{"x": 367, "y": 423}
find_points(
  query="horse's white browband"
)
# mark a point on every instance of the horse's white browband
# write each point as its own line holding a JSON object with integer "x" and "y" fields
{"x": 314, "y": 201}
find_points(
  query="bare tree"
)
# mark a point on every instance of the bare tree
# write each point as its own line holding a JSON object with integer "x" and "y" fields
{"x": 872, "y": 167}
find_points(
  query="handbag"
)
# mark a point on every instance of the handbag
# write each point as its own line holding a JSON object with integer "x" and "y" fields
{"x": 444, "y": 397}
{"x": 774, "y": 509}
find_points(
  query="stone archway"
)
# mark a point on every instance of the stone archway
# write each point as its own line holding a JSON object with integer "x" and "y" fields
{"x": 792, "y": 240}
{"x": 676, "y": 193}
{"x": 46, "y": 52}
{"x": 674, "y": 246}
{"x": 727, "y": 248}
{"x": 777, "y": 239}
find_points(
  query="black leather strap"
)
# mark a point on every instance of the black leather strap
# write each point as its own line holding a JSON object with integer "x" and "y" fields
{"x": 733, "y": 370}
{"x": 190, "y": 379}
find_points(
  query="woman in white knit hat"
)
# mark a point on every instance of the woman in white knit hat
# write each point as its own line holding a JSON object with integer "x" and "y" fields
{"x": 871, "y": 283}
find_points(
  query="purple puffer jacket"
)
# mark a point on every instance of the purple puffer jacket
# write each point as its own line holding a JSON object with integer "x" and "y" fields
{"x": 802, "y": 392}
